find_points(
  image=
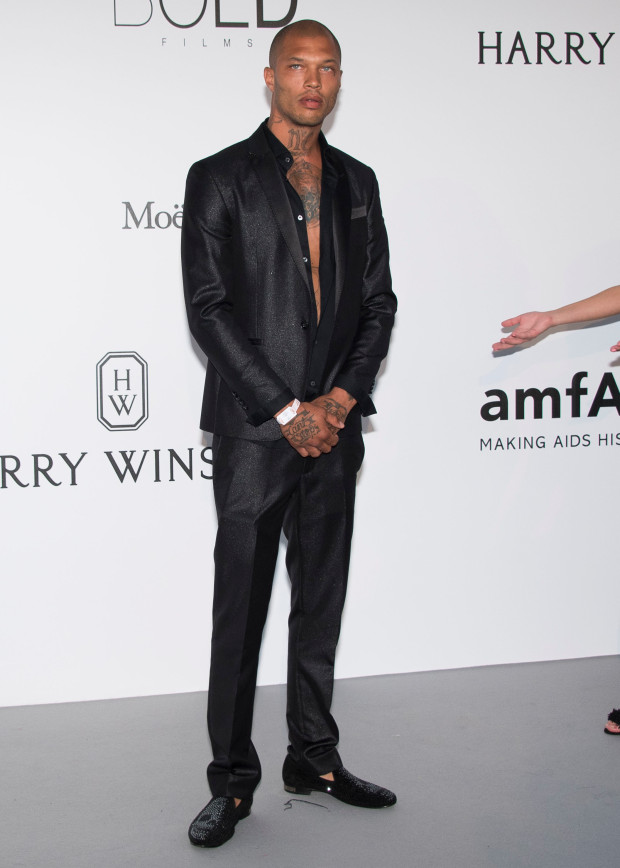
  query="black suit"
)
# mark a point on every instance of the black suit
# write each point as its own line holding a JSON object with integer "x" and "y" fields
{"x": 251, "y": 309}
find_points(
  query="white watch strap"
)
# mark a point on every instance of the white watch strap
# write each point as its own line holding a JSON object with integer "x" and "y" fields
{"x": 287, "y": 414}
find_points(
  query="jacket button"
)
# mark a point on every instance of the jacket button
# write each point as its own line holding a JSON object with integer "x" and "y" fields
{"x": 304, "y": 324}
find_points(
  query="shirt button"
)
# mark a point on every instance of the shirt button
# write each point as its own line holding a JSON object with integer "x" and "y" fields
{"x": 304, "y": 324}
{"x": 313, "y": 382}
{"x": 300, "y": 216}
{"x": 305, "y": 258}
{"x": 287, "y": 159}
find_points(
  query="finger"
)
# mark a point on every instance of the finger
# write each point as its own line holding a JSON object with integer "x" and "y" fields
{"x": 511, "y": 322}
{"x": 615, "y": 348}
{"x": 328, "y": 444}
{"x": 334, "y": 421}
{"x": 326, "y": 436}
{"x": 507, "y": 343}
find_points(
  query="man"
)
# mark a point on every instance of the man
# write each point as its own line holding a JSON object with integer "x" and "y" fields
{"x": 288, "y": 291}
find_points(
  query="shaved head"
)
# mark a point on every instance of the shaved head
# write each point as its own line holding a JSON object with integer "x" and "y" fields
{"x": 305, "y": 27}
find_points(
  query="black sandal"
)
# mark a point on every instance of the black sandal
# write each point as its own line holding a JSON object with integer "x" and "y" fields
{"x": 614, "y": 717}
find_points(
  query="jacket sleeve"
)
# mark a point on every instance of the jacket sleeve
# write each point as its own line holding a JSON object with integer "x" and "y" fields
{"x": 378, "y": 308}
{"x": 208, "y": 260}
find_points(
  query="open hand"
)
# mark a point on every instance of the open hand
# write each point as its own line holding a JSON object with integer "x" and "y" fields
{"x": 529, "y": 326}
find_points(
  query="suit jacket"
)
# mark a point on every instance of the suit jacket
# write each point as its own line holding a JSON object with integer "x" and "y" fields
{"x": 250, "y": 305}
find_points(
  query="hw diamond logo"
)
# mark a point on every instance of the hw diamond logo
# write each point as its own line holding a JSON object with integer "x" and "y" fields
{"x": 122, "y": 391}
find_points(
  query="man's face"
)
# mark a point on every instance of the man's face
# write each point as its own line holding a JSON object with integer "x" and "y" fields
{"x": 305, "y": 81}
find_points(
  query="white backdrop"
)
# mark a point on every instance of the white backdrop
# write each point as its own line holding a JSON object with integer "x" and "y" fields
{"x": 500, "y": 190}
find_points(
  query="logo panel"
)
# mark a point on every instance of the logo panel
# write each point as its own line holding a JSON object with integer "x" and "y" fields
{"x": 122, "y": 391}
{"x": 188, "y": 13}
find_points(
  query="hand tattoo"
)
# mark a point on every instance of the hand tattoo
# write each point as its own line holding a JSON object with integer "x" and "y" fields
{"x": 333, "y": 408}
{"x": 301, "y": 428}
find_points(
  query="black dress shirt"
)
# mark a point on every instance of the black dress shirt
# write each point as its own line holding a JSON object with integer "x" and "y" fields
{"x": 324, "y": 327}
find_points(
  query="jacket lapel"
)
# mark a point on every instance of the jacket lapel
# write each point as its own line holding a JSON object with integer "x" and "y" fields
{"x": 341, "y": 224}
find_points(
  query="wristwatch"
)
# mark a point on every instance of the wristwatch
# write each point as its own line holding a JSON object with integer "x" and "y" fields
{"x": 288, "y": 413}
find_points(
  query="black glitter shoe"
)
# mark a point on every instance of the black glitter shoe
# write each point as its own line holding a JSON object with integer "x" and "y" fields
{"x": 613, "y": 717}
{"x": 345, "y": 786}
{"x": 215, "y": 824}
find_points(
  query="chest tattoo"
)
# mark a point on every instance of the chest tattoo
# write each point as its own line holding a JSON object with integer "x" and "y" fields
{"x": 306, "y": 178}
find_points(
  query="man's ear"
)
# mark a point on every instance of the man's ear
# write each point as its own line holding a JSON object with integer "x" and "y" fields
{"x": 268, "y": 73}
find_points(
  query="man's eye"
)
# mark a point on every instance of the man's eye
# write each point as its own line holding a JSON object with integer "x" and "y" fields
{"x": 327, "y": 69}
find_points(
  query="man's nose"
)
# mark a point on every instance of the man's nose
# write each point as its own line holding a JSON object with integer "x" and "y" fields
{"x": 313, "y": 79}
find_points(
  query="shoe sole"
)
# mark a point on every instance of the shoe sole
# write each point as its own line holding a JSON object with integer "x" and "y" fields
{"x": 307, "y": 791}
{"x": 301, "y": 791}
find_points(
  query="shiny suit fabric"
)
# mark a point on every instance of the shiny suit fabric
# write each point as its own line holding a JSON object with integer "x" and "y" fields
{"x": 252, "y": 312}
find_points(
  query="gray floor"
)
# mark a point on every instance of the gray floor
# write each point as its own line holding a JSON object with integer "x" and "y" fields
{"x": 503, "y": 766}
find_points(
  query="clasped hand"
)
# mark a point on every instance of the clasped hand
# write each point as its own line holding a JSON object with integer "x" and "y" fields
{"x": 314, "y": 430}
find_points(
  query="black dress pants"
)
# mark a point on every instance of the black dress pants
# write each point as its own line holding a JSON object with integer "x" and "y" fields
{"x": 261, "y": 488}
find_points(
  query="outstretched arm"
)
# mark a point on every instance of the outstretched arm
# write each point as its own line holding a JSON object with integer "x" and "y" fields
{"x": 531, "y": 325}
